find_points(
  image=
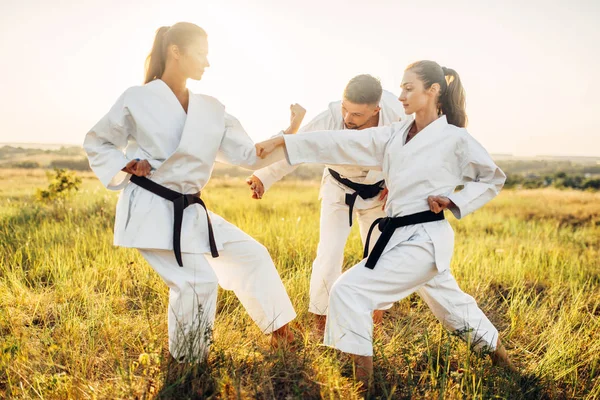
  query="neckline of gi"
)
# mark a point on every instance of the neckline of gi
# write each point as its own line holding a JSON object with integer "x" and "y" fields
{"x": 434, "y": 126}
{"x": 173, "y": 97}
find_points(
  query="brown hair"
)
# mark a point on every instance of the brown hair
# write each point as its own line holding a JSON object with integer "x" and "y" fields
{"x": 363, "y": 89}
{"x": 180, "y": 34}
{"x": 452, "y": 100}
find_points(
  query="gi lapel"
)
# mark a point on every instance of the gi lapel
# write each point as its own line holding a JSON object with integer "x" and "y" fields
{"x": 427, "y": 137}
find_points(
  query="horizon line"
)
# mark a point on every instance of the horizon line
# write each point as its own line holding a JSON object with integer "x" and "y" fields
{"x": 54, "y": 144}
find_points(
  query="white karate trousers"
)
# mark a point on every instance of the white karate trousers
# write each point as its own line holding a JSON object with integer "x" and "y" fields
{"x": 242, "y": 266}
{"x": 400, "y": 271}
{"x": 334, "y": 231}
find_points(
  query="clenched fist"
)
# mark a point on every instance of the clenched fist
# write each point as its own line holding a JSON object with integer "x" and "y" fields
{"x": 138, "y": 167}
{"x": 297, "y": 113}
{"x": 438, "y": 204}
{"x": 257, "y": 187}
{"x": 265, "y": 148}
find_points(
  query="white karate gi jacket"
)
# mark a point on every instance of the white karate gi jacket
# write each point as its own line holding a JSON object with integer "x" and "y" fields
{"x": 148, "y": 122}
{"x": 332, "y": 190}
{"x": 436, "y": 161}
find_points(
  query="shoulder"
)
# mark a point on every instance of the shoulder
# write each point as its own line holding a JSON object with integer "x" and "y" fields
{"x": 325, "y": 120}
{"x": 210, "y": 100}
{"x": 134, "y": 92}
{"x": 400, "y": 126}
{"x": 334, "y": 111}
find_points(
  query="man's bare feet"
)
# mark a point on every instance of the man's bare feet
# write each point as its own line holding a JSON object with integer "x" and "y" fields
{"x": 320, "y": 321}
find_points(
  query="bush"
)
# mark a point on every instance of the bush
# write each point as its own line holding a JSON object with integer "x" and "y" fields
{"x": 62, "y": 184}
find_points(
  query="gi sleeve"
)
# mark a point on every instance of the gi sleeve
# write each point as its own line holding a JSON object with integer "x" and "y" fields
{"x": 481, "y": 177}
{"x": 365, "y": 148}
{"x": 275, "y": 172}
{"x": 105, "y": 142}
{"x": 238, "y": 149}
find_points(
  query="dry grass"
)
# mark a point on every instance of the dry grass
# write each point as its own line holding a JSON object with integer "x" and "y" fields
{"x": 82, "y": 319}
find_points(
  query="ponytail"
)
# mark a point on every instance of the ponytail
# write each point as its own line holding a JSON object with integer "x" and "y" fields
{"x": 180, "y": 34}
{"x": 157, "y": 59}
{"x": 452, "y": 99}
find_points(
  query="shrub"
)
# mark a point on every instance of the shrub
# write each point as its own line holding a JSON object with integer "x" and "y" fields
{"x": 62, "y": 184}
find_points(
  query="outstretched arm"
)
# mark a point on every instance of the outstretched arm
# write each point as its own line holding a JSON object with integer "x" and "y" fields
{"x": 238, "y": 149}
{"x": 344, "y": 147}
{"x": 264, "y": 178}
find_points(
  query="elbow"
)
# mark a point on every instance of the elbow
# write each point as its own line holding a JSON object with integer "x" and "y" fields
{"x": 500, "y": 179}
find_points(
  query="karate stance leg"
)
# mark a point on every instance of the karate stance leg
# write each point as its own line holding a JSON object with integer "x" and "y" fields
{"x": 246, "y": 267}
{"x": 192, "y": 301}
{"x": 327, "y": 267}
{"x": 458, "y": 311}
{"x": 359, "y": 291}
{"x": 399, "y": 272}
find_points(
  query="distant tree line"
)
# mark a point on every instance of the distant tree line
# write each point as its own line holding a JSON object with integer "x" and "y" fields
{"x": 80, "y": 164}
{"x": 550, "y": 167}
{"x": 560, "y": 180}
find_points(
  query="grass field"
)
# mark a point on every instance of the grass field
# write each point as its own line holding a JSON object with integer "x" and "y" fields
{"x": 82, "y": 319}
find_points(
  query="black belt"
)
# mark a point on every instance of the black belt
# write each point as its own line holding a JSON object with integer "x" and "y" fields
{"x": 180, "y": 203}
{"x": 388, "y": 225}
{"x": 364, "y": 191}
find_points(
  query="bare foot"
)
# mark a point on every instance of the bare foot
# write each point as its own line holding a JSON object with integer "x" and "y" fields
{"x": 364, "y": 371}
{"x": 282, "y": 337}
{"x": 377, "y": 317}
{"x": 320, "y": 321}
{"x": 500, "y": 358}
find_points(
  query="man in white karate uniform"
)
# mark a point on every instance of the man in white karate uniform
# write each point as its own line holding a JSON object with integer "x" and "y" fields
{"x": 347, "y": 192}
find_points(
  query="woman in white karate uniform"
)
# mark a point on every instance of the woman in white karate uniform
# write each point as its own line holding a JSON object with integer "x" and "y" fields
{"x": 159, "y": 143}
{"x": 423, "y": 161}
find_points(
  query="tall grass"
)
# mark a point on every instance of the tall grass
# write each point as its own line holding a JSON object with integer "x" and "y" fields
{"x": 82, "y": 319}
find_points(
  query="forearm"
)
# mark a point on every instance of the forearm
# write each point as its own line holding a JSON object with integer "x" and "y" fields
{"x": 476, "y": 194}
{"x": 274, "y": 173}
{"x": 335, "y": 147}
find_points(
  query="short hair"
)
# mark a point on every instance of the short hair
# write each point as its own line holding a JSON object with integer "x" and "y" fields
{"x": 363, "y": 89}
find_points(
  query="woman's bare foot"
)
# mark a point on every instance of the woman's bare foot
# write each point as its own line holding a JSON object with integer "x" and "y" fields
{"x": 500, "y": 358}
{"x": 364, "y": 371}
{"x": 377, "y": 317}
{"x": 282, "y": 337}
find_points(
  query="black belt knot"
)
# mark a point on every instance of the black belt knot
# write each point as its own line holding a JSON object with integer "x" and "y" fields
{"x": 388, "y": 226}
{"x": 362, "y": 190}
{"x": 180, "y": 202}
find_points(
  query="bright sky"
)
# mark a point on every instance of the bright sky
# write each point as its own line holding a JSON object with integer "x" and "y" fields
{"x": 530, "y": 68}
